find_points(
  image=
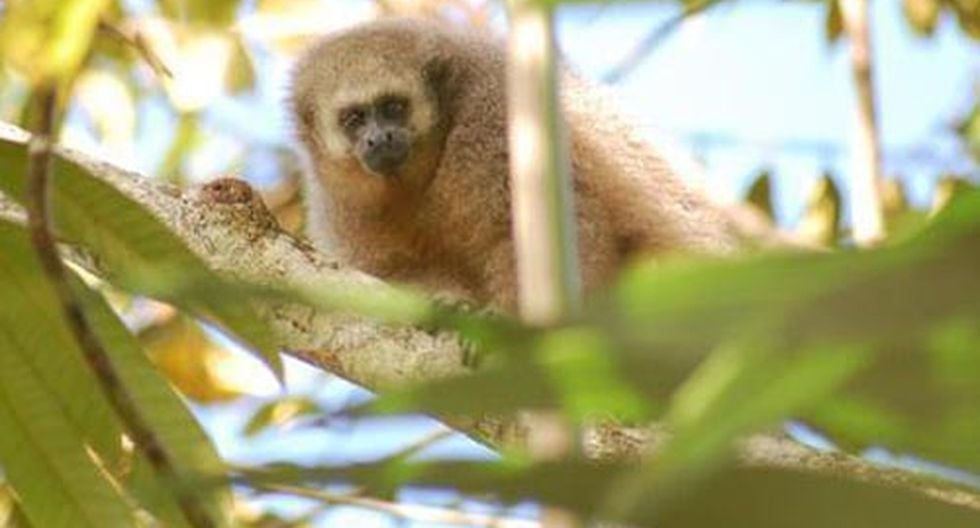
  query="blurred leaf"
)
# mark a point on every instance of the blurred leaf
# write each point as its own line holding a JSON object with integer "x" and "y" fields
{"x": 947, "y": 190}
{"x": 756, "y": 498}
{"x": 11, "y": 514}
{"x": 739, "y": 390}
{"x": 31, "y": 321}
{"x": 140, "y": 253}
{"x": 970, "y": 130}
{"x": 737, "y": 498}
{"x": 201, "y": 68}
{"x": 833, "y": 21}
{"x": 289, "y": 26}
{"x": 240, "y": 72}
{"x": 760, "y": 193}
{"x": 922, "y": 15}
{"x": 47, "y": 40}
{"x": 123, "y": 41}
{"x": 821, "y": 218}
{"x": 280, "y": 412}
{"x": 901, "y": 220}
{"x": 587, "y": 378}
{"x": 187, "y": 137}
{"x": 577, "y": 484}
{"x": 109, "y": 104}
{"x": 216, "y": 13}
{"x": 890, "y": 300}
{"x": 189, "y": 359}
{"x": 968, "y": 16}
{"x": 199, "y": 59}
{"x": 893, "y": 200}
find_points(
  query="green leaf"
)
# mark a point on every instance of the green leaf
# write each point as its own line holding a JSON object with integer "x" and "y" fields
{"x": 166, "y": 414}
{"x": 587, "y": 378}
{"x": 48, "y": 39}
{"x": 28, "y": 315}
{"x": 50, "y": 409}
{"x": 738, "y": 498}
{"x": 11, "y": 514}
{"x": 970, "y": 130}
{"x": 137, "y": 250}
{"x": 759, "y": 498}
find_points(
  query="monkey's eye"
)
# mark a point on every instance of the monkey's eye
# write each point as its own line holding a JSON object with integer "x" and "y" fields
{"x": 393, "y": 108}
{"x": 352, "y": 118}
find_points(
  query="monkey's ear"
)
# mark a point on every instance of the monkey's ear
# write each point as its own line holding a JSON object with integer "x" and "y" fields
{"x": 439, "y": 74}
{"x": 305, "y": 116}
{"x": 436, "y": 70}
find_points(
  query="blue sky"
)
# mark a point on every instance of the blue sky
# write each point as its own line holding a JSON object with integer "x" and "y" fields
{"x": 757, "y": 84}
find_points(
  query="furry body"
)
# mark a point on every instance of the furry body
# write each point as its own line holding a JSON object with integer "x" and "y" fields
{"x": 442, "y": 219}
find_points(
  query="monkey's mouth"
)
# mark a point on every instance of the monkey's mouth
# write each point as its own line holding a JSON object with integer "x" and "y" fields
{"x": 386, "y": 161}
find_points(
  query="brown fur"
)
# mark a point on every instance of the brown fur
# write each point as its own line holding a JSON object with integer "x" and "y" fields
{"x": 444, "y": 223}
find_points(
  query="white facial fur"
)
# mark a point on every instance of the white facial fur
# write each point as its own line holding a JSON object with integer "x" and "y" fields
{"x": 352, "y": 92}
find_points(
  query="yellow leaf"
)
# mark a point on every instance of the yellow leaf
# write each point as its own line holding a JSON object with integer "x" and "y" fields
{"x": 922, "y": 15}
{"x": 46, "y": 40}
{"x": 834, "y": 22}
{"x": 821, "y": 218}
{"x": 188, "y": 359}
{"x": 760, "y": 194}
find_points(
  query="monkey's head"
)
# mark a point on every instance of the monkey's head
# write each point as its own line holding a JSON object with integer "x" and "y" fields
{"x": 367, "y": 103}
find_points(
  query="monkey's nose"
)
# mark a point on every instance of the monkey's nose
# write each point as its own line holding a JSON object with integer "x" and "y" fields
{"x": 380, "y": 139}
{"x": 385, "y": 151}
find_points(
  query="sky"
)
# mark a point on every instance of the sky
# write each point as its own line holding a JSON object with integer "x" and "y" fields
{"x": 751, "y": 86}
{"x": 757, "y": 84}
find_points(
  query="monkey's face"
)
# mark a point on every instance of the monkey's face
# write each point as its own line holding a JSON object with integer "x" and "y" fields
{"x": 379, "y": 132}
{"x": 371, "y": 113}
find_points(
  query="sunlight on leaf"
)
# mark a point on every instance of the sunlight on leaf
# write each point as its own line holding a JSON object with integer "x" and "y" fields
{"x": 279, "y": 413}
{"x": 47, "y": 39}
{"x": 191, "y": 361}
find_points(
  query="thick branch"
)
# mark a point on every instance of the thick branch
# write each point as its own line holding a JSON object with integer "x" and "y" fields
{"x": 239, "y": 240}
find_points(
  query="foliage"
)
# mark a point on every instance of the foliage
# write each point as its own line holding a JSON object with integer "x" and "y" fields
{"x": 716, "y": 349}
{"x": 873, "y": 348}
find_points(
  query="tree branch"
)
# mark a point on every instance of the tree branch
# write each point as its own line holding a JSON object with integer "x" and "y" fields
{"x": 236, "y": 240}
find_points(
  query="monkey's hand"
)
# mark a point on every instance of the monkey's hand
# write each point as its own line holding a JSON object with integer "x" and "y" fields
{"x": 454, "y": 313}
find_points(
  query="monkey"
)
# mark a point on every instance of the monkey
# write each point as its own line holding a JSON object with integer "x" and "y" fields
{"x": 403, "y": 123}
